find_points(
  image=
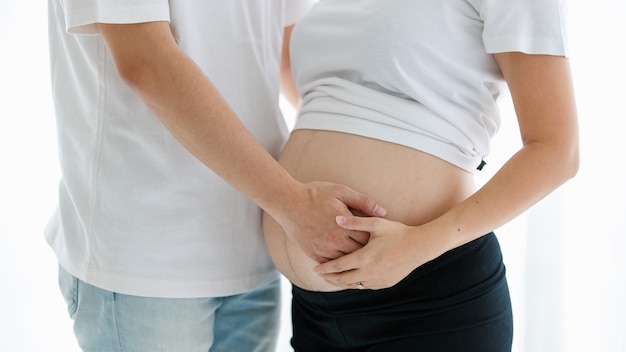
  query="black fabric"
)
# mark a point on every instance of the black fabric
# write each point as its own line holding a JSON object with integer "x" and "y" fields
{"x": 457, "y": 302}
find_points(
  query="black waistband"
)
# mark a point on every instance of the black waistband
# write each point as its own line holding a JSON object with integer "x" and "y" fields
{"x": 461, "y": 272}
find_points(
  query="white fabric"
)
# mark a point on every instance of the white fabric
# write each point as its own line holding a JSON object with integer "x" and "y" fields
{"x": 137, "y": 213}
{"x": 417, "y": 73}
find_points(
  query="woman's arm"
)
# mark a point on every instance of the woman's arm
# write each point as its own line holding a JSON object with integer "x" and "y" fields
{"x": 542, "y": 92}
{"x": 183, "y": 98}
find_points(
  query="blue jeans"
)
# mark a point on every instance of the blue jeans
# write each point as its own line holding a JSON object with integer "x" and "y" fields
{"x": 109, "y": 321}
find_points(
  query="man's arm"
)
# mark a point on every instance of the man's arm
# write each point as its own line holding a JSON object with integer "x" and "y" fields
{"x": 287, "y": 85}
{"x": 182, "y": 97}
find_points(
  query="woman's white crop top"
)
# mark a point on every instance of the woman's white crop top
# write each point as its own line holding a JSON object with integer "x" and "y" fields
{"x": 419, "y": 73}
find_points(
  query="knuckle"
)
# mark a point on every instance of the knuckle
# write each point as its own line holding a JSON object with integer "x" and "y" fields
{"x": 369, "y": 261}
{"x": 336, "y": 240}
{"x": 376, "y": 224}
{"x": 367, "y": 203}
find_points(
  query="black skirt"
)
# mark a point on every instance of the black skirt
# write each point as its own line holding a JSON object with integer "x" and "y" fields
{"x": 456, "y": 302}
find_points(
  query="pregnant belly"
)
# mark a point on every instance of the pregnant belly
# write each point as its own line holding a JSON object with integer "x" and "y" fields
{"x": 414, "y": 187}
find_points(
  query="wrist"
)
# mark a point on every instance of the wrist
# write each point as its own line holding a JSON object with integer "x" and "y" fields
{"x": 432, "y": 240}
{"x": 287, "y": 199}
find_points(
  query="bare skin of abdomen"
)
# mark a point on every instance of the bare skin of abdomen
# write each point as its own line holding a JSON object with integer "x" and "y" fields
{"x": 414, "y": 187}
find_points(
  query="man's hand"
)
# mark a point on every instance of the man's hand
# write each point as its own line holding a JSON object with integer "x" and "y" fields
{"x": 311, "y": 223}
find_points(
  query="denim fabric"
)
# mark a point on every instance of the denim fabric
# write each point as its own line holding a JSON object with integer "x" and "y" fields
{"x": 109, "y": 321}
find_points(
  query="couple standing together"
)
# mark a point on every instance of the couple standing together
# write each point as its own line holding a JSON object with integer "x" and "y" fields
{"x": 169, "y": 130}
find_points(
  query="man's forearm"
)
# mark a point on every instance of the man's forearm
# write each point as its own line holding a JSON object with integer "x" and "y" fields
{"x": 187, "y": 103}
{"x": 183, "y": 98}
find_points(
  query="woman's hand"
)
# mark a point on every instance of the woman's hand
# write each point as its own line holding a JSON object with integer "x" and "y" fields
{"x": 393, "y": 251}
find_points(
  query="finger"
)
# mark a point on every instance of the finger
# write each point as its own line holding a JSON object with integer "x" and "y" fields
{"x": 357, "y": 223}
{"x": 318, "y": 258}
{"x": 361, "y": 202}
{"x": 360, "y": 237}
{"x": 322, "y": 255}
{"x": 348, "y": 242}
{"x": 348, "y": 279}
{"x": 328, "y": 256}
{"x": 339, "y": 265}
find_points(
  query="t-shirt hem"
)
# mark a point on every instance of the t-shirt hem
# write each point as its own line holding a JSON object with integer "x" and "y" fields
{"x": 534, "y": 46}
{"x": 295, "y": 10}
{"x": 337, "y": 123}
{"x": 170, "y": 288}
{"x": 84, "y": 21}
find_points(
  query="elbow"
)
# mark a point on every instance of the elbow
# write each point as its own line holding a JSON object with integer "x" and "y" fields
{"x": 572, "y": 155}
{"x": 573, "y": 164}
{"x": 139, "y": 51}
{"x": 147, "y": 75}
{"x": 567, "y": 162}
{"x": 561, "y": 158}
{"x": 132, "y": 72}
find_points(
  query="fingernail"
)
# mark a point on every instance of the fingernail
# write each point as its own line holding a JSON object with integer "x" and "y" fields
{"x": 380, "y": 211}
{"x": 341, "y": 220}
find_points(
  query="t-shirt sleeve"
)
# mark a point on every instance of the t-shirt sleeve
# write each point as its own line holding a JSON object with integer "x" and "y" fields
{"x": 528, "y": 26}
{"x": 295, "y": 9}
{"x": 82, "y": 15}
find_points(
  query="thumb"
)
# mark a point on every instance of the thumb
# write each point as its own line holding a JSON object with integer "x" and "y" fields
{"x": 362, "y": 203}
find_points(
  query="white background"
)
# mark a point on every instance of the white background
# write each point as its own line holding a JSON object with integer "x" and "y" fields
{"x": 565, "y": 257}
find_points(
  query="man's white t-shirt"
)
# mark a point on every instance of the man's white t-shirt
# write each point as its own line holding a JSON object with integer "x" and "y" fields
{"x": 138, "y": 214}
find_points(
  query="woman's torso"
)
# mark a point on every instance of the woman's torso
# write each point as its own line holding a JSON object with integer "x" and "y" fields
{"x": 413, "y": 186}
{"x": 391, "y": 108}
